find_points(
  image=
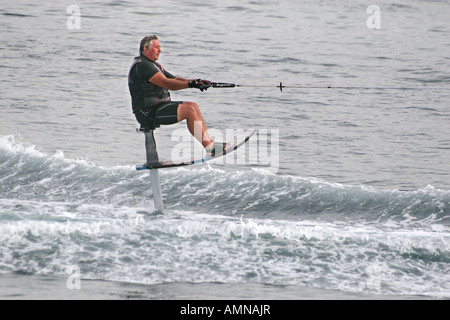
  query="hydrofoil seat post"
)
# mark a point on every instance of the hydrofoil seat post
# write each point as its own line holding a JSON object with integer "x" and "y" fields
{"x": 152, "y": 157}
{"x": 150, "y": 147}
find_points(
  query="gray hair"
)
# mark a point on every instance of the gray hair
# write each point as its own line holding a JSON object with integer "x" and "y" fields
{"x": 146, "y": 42}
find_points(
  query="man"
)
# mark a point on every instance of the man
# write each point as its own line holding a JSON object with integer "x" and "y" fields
{"x": 149, "y": 84}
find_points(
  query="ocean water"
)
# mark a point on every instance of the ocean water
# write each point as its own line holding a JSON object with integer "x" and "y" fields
{"x": 342, "y": 193}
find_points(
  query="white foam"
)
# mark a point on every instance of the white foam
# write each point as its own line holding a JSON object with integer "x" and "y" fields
{"x": 9, "y": 144}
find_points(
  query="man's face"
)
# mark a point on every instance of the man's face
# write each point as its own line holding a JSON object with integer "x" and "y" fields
{"x": 154, "y": 50}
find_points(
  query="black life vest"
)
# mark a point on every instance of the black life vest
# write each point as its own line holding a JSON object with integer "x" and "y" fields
{"x": 144, "y": 94}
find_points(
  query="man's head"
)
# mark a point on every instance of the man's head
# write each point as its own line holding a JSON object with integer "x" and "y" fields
{"x": 150, "y": 47}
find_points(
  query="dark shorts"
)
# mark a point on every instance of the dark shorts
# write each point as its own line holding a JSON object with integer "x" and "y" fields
{"x": 162, "y": 115}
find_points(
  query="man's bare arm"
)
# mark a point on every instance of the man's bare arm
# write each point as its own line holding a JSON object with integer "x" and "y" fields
{"x": 183, "y": 79}
{"x": 170, "y": 84}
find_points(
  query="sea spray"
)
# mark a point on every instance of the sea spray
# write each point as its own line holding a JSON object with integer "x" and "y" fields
{"x": 220, "y": 226}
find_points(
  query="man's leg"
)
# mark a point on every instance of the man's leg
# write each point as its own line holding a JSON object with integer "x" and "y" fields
{"x": 191, "y": 112}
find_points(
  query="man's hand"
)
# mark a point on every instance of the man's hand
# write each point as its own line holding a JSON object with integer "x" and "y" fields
{"x": 200, "y": 84}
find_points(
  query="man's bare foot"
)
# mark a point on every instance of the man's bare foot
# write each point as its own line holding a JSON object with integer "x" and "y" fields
{"x": 217, "y": 148}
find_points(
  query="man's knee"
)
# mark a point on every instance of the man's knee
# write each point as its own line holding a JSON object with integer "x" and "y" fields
{"x": 188, "y": 108}
{"x": 191, "y": 106}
